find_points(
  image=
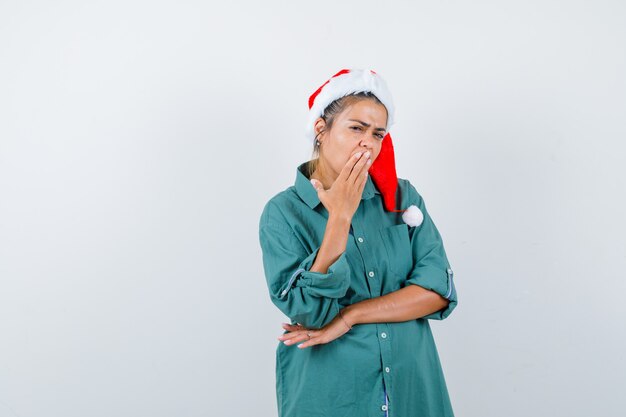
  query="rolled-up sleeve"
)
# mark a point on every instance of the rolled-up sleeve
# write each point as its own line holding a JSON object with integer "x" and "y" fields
{"x": 431, "y": 269}
{"x": 306, "y": 297}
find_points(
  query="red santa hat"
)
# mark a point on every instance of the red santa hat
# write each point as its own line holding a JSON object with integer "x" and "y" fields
{"x": 383, "y": 170}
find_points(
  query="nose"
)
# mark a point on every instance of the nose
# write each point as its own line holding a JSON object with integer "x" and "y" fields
{"x": 368, "y": 142}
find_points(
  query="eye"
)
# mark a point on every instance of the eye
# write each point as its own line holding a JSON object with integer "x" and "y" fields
{"x": 380, "y": 136}
{"x": 356, "y": 127}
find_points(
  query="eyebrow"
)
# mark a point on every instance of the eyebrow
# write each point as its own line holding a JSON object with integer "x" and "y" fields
{"x": 367, "y": 124}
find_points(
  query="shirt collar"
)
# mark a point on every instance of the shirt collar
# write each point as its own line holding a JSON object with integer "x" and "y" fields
{"x": 307, "y": 193}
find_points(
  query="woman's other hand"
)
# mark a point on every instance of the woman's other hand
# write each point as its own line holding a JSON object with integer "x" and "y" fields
{"x": 344, "y": 195}
{"x": 298, "y": 333}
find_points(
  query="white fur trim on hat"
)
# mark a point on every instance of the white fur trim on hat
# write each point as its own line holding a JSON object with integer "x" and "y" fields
{"x": 355, "y": 81}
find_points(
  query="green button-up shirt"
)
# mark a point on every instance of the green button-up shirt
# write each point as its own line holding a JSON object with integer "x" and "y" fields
{"x": 349, "y": 376}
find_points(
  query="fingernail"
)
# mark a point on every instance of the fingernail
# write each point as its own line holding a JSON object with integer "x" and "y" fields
{"x": 357, "y": 155}
{"x": 367, "y": 154}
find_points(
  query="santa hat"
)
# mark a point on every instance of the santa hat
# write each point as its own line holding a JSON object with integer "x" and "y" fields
{"x": 383, "y": 170}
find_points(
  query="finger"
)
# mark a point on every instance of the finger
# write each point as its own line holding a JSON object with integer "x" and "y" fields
{"x": 293, "y": 327}
{"x": 292, "y": 338}
{"x": 297, "y": 338}
{"x": 365, "y": 169}
{"x": 288, "y": 336}
{"x": 359, "y": 163}
{"x": 358, "y": 167}
{"x": 317, "y": 185}
{"x": 347, "y": 168}
{"x": 312, "y": 342}
{"x": 362, "y": 180}
{"x": 291, "y": 333}
{"x": 285, "y": 325}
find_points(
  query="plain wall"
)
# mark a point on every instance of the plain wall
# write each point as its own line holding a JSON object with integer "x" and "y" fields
{"x": 140, "y": 140}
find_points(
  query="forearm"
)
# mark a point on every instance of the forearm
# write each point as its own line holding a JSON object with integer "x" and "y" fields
{"x": 408, "y": 303}
{"x": 333, "y": 244}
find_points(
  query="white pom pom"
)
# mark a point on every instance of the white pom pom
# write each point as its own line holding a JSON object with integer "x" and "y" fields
{"x": 413, "y": 216}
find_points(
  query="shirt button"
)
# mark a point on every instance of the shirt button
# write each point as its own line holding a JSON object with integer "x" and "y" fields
{"x": 384, "y": 407}
{"x": 371, "y": 273}
{"x": 360, "y": 240}
{"x": 387, "y": 369}
{"x": 383, "y": 335}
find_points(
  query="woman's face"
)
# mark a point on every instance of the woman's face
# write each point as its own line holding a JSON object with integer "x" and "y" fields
{"x": 360, "y": 127}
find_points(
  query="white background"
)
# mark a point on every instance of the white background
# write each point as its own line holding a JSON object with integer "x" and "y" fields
{"x": 140, "y": 140}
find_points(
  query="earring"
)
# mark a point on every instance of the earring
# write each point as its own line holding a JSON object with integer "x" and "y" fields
{"x": 317, "y": 142}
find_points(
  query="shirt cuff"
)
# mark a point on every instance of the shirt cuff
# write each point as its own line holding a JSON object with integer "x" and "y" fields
{"x": 333, "y": 284}
{"x": 440, "y": 281}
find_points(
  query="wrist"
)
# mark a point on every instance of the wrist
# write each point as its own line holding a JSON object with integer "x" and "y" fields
{"x": 339, "y": 220}
{"x": 349, "y": 326}
{"x": 350, "y": 315}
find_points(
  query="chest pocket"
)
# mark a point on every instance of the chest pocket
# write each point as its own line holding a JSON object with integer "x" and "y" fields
{"x": 398, "y": 247}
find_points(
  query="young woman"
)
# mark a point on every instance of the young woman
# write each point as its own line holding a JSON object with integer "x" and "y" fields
{"x": 358, "y": 278}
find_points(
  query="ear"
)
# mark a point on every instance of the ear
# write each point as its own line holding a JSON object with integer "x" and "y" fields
{"x": 319, "y": 125}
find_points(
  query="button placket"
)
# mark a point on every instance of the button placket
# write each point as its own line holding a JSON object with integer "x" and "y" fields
{"x": 385, "y": 350}
{"x": 366, "y": 255}
{"x": 375, "y": 287}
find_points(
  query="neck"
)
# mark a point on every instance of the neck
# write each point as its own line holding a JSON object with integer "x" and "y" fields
{"x": 324, "y": 174}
